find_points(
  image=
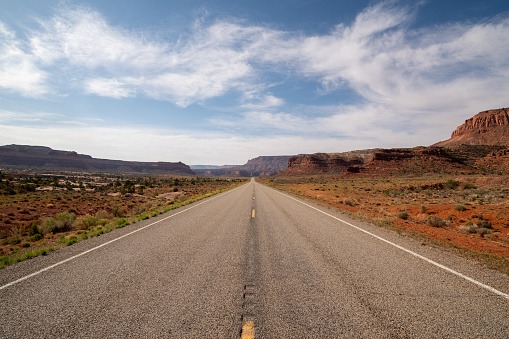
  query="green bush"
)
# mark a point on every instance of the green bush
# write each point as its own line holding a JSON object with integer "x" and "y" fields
{"x": 84, "y": 222}
{"x": 72, "y": 240}
{"x": 35, "y": 237}
{"x": 121, "y": 222}
{"x": 34, "y": 229}
{"x": 61, "y": 223}
{"x": 460, "y": 208}
{"x": 14, "y": 241}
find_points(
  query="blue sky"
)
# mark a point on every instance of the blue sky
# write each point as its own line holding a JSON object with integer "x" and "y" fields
{"x": 220, "y": 82}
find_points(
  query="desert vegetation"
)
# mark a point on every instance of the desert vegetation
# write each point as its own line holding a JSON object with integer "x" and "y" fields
{"x": 43, "y": 212}
{"x": 467, "y": 213}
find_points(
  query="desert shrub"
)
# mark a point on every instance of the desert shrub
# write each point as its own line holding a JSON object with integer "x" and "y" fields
{"x": 424, "y": 209}
{"x": 14, "y": 241}
{"x": 436, "y": 221}
{"x": 61, "y": 223}
{"x": 350, "y": 202}
{"x": 85, "y": 221}
{"x": 118, "y": 211}
{"x": 25, "y": 244}
{"x": 484, "y": 224}
{"x": 451, "y": 184}
{"x": 482, "y": 231}
{"x": 468, "y": 185}
{"x": 103, "y": 215}
{"x": 121, "y": 222}
{"x": 460, "y": 208}
{"x": 33, "y": 229}
{"x": 48, "y": 225}
{"x": 403, "y": 215}
{"x": 72, "y": 240}
{"x": 35, "y": 237}
{"x": 65, "y": 221}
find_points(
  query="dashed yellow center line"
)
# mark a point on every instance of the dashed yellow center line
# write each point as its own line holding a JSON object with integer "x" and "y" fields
{"x": 248, "y": 330}
{"x": 253, "y": 213}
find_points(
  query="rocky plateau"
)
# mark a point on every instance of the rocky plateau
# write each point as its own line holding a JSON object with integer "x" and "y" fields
{"x": 21, "y": 157}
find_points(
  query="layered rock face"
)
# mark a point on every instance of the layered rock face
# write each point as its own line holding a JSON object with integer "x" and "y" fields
{"x": 486, "y": 128}
{"x": 262, "y": 166}
{"x": 265, "y": 165}
{"x": 326, "y": 163}
{"x": 458, "y": 159}
{"x": 45, "y": 158}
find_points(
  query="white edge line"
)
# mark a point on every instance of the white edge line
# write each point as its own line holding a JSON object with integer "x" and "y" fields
{"x": 106, "y": 243}
{"x": 478, "y": 283}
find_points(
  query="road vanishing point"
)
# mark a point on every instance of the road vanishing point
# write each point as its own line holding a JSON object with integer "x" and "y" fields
{"x": 252, "y": 262}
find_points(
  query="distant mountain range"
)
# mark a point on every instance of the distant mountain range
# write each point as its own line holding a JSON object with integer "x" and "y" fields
{"x": 41, "y": 158}
{"x": 44, "y": 158}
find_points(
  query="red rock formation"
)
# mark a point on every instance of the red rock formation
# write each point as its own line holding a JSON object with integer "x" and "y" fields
{"x": 262, "y": 166}
{"x": 486, "y": 128}
{"x": 459, "y": 159}
{"x": 326, "y": 163}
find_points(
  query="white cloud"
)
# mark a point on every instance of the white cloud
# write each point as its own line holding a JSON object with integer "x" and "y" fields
{"x": 109, "y": 88}
{"x": 265, "y": 102}
{"x": 207, "y": 65}
{"x": 18, "y": 70}
{"x": 446, "y": 67}
{"x": 10, "y": 116}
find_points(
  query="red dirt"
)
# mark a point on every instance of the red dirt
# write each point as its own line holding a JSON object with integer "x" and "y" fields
{"x": 382, "y": 201}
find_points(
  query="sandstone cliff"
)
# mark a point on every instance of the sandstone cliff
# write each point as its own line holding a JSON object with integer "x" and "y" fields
{"x": 486, "y": 128}
{"x": 257, "y": 167}
{"x": 45, "y": 158}
{"x": 456, "y": 159}
{"x": 326, "y": 163}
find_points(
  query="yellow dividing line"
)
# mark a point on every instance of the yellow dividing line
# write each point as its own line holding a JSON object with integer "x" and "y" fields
{"x": 248, "y": 330}
{"x": 253, "y": 213}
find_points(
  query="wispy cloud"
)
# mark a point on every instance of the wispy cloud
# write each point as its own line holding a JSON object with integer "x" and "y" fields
{"x": 11, "y": 116}
{"x": 19, "y": 71}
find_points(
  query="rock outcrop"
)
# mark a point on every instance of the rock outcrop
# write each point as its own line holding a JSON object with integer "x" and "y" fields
{"x": 486, "y": 128}
{"x": 262, "y": 166}
{"x": 326, "y": 163}
{"x": 456, "y": 159}
{"x": 45, "y": 158}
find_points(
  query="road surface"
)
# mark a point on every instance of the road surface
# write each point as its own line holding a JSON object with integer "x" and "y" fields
{"x": 252, "y": 262}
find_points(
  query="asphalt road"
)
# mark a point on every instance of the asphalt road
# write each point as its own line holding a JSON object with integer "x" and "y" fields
{"x": 252, "y": 260}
